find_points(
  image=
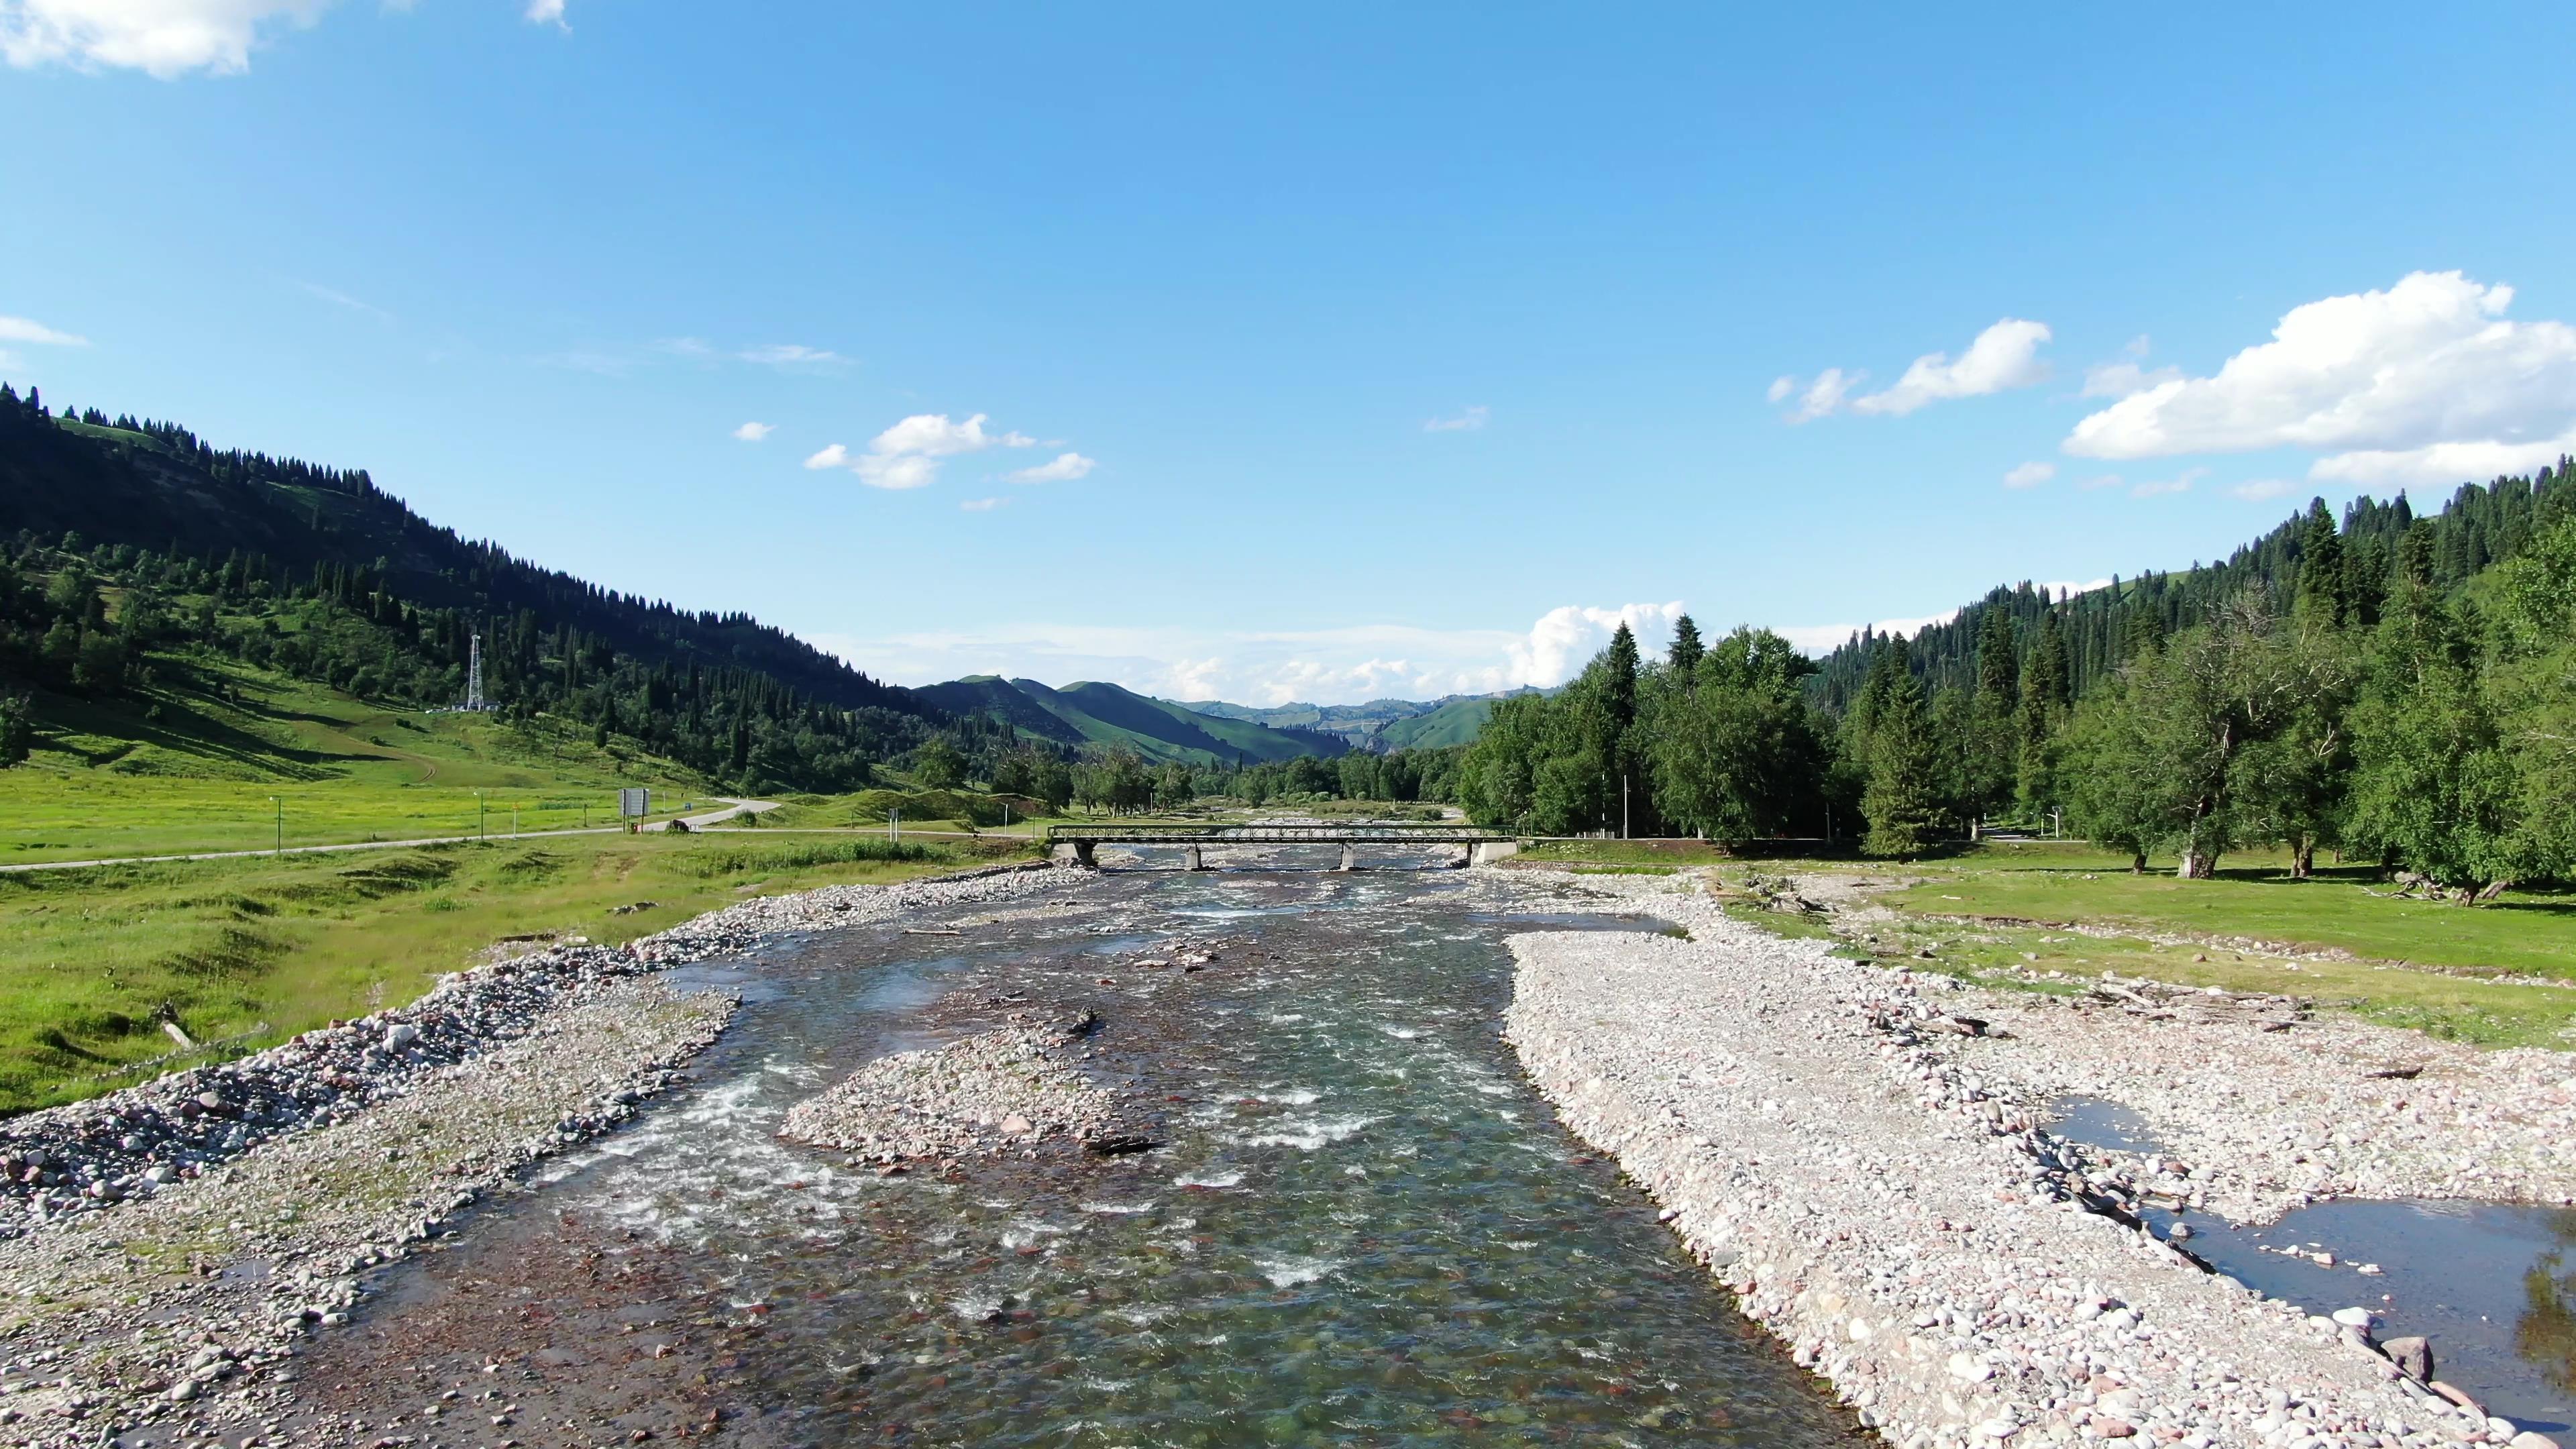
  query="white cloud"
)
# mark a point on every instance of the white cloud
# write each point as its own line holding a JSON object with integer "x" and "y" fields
{"x": 2126, "y": 376}
{"x": 2057, "y": 588}
{"x": 1330, "y": 666}
{"x": 1465, "y": 422}
{"x": 21, "y": 329}
{"x": 2256, "y": 490}
{"x": 2424, "y": 382}
{"x": 165, "y": 38}
{"x": 791, "y": 354}
{"x": 908, "y": 454}
{"x": 1563, "y": 638}
{"x": 2179, "y": 483}
{"x": 1065, "y": 468}
{"x": 1824, "y": 638}
{"x": 981, "y": 505}
{"x": 2099, "y": 482}
{"x": 2004, "y": 356}
{"x": 754, "y": 432}
{"x": 2124, "y": 379}
{"x": 1819, "y": 397}
{"x": 547, "y": 12}
{"x": 2030, "y": 475}
{"x": 2439, "y": 463}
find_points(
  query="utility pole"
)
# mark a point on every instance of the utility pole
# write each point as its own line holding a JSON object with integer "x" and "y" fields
{"x": 478, "y": 817}
{"x": 280, "y": 802}
{"x": 1623, "y": 806}
{"x": 894, "y": 826}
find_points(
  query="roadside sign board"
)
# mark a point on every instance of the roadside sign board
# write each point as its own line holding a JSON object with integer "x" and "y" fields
{"x": 634, "y": 802}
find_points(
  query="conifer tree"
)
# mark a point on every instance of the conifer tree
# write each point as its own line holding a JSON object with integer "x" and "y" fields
{"x": 2323, "y": 587}
{"x": 2042, "y": 717}
{"x": 1687, "y": 648}
{"x": 1903, "y": 800}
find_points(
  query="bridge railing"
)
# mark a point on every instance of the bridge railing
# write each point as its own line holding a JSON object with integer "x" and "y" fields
{"x": 1390, "y": 834}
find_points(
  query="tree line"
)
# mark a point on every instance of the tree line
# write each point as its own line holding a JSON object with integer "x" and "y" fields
{"x": 2399, "y": 689}
{"x": 116, "y": 624}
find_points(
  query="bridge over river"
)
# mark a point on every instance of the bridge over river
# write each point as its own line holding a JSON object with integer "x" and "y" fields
{"x": 1193, "y": 840}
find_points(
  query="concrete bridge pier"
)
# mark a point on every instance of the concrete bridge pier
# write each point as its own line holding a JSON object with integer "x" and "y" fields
{"x": 1350, "y": 858}
{"x": 1191, "y": 859}
{"x": 1082, "y": 855}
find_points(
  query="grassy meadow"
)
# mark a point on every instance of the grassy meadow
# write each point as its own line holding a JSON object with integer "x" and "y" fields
{"x": 248, "y": 952}
{"x": 2002, "y": 915}
{"x": 211, "y": 771}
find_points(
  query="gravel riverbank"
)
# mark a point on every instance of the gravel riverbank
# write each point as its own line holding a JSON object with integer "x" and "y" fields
{"x": 1856, "y": 1152}
{"x": 171, "y": 1245}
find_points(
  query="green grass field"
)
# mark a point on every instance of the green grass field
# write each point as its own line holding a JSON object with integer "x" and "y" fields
{"x": 211, "y": 772}
{"x": 92, "y": 960}
{"x": 2253, "y": 896}
{"x": 2000, "y": 915}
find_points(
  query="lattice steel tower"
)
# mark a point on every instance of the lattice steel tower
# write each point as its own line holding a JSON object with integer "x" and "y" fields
{"x": 474, "y": 672}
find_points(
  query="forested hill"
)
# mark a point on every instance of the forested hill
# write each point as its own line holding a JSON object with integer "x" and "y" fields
{"x": 1105, "y": 716}
{"x": 122, "y": 539}
{"x": 158, "y": 486}
{"x": 2481, "y": 525}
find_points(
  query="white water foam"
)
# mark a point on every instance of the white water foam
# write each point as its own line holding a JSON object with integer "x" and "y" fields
{"x": 1117, "y": 1209}
{"x": 1212, "y": 1179}
{"x": 1308, "y": 1133}
{"x": 1290, "y": 1271}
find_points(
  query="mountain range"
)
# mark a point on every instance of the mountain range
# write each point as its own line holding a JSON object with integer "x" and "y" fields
{"x": 1381, "y": 726}
{"x": 1091, "y": 713}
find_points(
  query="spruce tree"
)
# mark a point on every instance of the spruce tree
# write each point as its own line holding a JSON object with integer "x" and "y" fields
{"x": 1687, "y": 648}
{"x": 2041, "y": 718}
{"x": 2323, "y": 588}
{"x": 1902, "y": 803}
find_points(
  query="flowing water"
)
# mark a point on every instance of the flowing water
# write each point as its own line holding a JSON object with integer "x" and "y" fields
{"x": 1362, "y": 1225}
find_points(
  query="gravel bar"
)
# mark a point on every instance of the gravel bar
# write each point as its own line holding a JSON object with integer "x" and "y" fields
{"x": 171, "y": 1245}
{"x": 1856, "y": 1151}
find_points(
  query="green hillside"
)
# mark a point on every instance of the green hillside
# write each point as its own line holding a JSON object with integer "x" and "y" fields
{"x": 1456, "y": 723}
{"x": 994, "y": 697}
{"x": 134, "y": 549}
{"x": 1381, "y": 725}
{"x": 1109, "y": 717}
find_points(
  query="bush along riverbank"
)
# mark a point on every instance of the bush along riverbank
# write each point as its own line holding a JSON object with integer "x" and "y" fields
{"x": 172, "y": 1243}
{"x": 1859, "y": 1154}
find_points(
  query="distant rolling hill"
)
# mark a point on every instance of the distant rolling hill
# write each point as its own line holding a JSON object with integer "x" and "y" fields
{"x": 1381, "y": 725}
{"x": 1106, "y": 715}
{"x": 1456, "y": 722}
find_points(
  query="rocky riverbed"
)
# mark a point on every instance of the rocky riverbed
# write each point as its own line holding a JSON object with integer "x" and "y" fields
{"x": 175, "y": 1244}
{"x": 1861, "y": 1154}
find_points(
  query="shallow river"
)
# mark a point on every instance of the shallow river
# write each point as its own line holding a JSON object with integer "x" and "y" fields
{"x": 1362, "y": 1225}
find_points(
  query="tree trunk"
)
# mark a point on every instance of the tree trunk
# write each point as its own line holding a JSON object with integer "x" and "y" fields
{"x": 2138, "y": 863}
{"x": 2195, "y": 864}
{"x": 2303, "y": 859}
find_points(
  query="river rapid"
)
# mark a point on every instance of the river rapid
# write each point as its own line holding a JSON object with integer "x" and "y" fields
{"x": 1361, "y": 1225}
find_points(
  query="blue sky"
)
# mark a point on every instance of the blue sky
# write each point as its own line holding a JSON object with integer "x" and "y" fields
{"x": 1325, "y": 354}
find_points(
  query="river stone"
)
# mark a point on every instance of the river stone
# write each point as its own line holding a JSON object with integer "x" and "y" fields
{"x": 2413, "y": 1356}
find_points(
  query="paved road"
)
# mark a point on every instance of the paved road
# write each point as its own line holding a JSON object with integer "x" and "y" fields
{"x": 733, "y": 807}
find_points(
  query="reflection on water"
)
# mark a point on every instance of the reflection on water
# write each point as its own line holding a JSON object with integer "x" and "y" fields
{"x": 2492, "y": 1285}
{"x": 1363, "y": 1225}
{"x": 2097, "y": 1123}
